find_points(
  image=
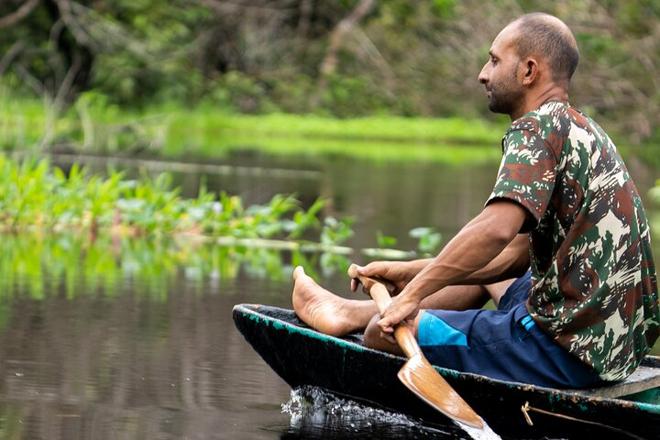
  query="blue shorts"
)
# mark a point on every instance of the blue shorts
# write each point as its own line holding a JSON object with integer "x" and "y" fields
{"x": 503, "y": 344}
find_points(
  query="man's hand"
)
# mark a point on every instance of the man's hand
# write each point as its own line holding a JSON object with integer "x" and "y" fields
{"x": 401, "y": 309}
{"x": 395, "y": 275}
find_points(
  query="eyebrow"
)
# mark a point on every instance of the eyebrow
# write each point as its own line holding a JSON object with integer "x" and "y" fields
{"x": 490, "y": 52}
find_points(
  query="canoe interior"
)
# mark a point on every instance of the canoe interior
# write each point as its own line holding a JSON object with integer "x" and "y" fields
{"x": 302, "y": 356}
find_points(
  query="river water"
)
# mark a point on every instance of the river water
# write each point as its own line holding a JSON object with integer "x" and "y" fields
{"x": 135, "y": 340}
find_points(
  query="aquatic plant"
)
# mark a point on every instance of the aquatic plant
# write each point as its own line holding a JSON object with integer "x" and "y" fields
{"x": 36, "y": 196}
{"x": 428, "y": 240}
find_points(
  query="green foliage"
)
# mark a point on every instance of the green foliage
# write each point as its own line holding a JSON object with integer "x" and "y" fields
{"x": 237, "y": 91}
{"x": 304, "y": 220}
{"x": 94, "y": 125}
{"x": 654, "y": 211}
{"x": 428, "y": 239}
{"x": 654, "y": 193}
{"x": 34, "y": 196}
{"x": 385, "y": 241}
{"x": 402, "y": 58}
{"x": 354, "y": 95}
{"x": 336, "y": 232}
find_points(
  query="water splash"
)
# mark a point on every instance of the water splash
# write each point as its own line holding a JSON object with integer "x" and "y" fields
{"x": 486, "y": 433}
{"x": 320, "y": 414}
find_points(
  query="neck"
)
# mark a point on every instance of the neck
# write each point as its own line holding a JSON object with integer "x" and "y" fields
{"x": 539, "y": 96}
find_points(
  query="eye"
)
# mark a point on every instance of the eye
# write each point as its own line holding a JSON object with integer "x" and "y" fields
{"x": 493, "y": 60}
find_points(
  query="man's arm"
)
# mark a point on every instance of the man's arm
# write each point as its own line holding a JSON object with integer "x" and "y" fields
{"x": 512, "y": 262}
{"x": 471, "y": 250}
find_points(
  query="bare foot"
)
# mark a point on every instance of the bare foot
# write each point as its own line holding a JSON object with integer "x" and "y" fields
{"x": 326, "y": 312}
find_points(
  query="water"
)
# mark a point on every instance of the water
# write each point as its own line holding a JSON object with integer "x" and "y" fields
{"x": 320, "y": 414}
{"x": 140, "y": 344}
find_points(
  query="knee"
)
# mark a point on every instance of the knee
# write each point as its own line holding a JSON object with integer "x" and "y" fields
{"x": 372, "y": 337}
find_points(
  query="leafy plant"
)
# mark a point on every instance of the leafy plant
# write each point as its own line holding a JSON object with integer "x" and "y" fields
{"x": 385, "y": 241}
{"x": 336, "y": 232}
{"x": 428, "y": 239}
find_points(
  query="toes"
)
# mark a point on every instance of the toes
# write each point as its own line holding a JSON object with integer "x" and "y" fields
{"x": 298, "y": 272}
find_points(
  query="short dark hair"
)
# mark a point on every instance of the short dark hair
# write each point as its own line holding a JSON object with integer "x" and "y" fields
{"x": 546, "y": 35}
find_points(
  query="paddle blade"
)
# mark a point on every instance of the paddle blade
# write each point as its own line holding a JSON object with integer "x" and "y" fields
{"x": 419, "y": 376}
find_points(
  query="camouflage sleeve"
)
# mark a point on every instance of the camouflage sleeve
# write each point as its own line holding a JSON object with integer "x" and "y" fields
{"x": 527, "y": 172}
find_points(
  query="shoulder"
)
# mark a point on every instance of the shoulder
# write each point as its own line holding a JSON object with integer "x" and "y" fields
{"x": 549, "y": 117}
{"x": 549, "y": 124}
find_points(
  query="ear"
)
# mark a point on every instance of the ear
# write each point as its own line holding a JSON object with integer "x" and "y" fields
{"x": 530, "y": 71}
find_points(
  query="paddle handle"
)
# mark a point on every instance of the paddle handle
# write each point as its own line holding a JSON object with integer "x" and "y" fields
{"x": 403, "y": 332}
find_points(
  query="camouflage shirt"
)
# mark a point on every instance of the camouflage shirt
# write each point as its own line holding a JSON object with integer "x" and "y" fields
{"x": 594, "y": 286}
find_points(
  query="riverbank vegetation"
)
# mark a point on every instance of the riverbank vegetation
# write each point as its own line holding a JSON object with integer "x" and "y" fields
{"x": 93, "y": 126}
{"x": 341, "y": 59}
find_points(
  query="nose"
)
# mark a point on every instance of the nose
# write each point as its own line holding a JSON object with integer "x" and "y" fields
{"x": 483, "y": 75}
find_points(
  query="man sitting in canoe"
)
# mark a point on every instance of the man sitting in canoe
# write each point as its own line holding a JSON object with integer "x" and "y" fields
{"x": 562, "y": 245}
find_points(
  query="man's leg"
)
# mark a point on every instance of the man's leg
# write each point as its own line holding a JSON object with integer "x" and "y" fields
{"x": 337, "y": 316}
{"x": 450, "y": 298}
{"x": 497, "y": 290}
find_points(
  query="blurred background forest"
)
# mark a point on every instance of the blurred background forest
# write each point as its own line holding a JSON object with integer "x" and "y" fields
{"x": 343, "y": 58}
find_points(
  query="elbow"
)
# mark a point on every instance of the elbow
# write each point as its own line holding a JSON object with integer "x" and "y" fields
{"x": 501, "y": 233}
{"x": 503, "y": 221}
{"x": 502, "y": 236}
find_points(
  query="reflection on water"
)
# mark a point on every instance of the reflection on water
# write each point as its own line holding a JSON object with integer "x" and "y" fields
{"x": 134, "y": 365}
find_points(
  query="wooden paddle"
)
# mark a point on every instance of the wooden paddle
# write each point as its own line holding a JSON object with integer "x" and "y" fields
{"x": 417, "y": 374}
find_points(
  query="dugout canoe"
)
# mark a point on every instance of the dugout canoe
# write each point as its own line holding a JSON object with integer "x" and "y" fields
{"x": 343, "y": 366}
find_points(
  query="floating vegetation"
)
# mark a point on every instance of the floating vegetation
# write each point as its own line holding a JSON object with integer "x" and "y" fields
{"x": 36, "y": 196}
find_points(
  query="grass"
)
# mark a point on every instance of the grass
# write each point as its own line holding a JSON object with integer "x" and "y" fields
{"x": 92, "y": 125}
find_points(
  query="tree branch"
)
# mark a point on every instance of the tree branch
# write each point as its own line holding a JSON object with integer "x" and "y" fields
{"x": 22, "y": 12}
{"x": 11, "y": 54}
{"x": 344, "y": 27}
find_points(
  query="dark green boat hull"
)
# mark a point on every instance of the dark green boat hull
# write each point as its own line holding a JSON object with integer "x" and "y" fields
{"x": 302, "y": 356}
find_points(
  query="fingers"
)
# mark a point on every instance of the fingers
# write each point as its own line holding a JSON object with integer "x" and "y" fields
{"x": 298, "y": 272}
{"x": 373, "y": 269}
{"x": 387, "y": 324}
{"x": 397, "y": 313}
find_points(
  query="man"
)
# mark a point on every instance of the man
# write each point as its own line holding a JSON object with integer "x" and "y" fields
{"x": 563, "y": 206}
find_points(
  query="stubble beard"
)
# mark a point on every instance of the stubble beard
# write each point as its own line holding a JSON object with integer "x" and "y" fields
{"x": 505, "y": 96}
{"x": 504, "y": 101}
